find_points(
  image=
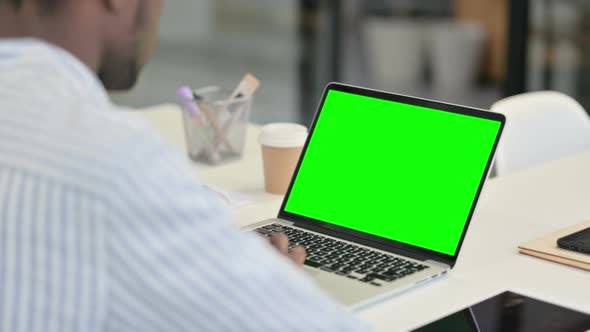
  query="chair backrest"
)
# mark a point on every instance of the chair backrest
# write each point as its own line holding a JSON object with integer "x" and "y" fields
{"x": 540, "y": 126}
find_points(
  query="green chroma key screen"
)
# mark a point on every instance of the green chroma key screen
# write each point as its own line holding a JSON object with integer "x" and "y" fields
{"x": 398, "y": 171}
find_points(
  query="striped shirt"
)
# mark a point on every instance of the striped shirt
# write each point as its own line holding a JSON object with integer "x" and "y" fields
{"x": 105, "y": 228}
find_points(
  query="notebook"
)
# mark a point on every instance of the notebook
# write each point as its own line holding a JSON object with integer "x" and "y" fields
{"x": 546, "y": 248}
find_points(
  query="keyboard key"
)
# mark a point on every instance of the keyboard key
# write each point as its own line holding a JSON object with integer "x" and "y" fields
{"x": 390, "y": 273}
{"x": 312, "y": 263}
{"x": 377, "y": 270}
{"x": 336, "y": 266}
{"x": 367, "y": 279}
{"x": 380, "y": 277}
{"x": 344, "y": 258}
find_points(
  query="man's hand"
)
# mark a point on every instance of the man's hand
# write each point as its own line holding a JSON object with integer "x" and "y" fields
{"x": 281, "y": 243}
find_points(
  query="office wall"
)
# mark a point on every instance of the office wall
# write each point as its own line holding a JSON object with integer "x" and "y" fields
{"x": 185, "y": 21}
{"x": 216, "y": 43}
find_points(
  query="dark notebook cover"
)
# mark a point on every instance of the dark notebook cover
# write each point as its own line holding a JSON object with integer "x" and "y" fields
{"x": 510, "y": 312}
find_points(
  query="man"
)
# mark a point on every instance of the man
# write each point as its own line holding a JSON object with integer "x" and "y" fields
{"x": 102, "y": 226}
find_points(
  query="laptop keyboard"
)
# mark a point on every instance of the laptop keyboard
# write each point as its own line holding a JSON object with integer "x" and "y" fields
{"x": 345, "y": 259}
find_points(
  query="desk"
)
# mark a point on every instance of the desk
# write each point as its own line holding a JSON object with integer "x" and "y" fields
{"x": 512, "y": 209}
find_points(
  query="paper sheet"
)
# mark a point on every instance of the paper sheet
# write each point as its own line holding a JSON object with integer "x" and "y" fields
{"x": 234, "y": 199}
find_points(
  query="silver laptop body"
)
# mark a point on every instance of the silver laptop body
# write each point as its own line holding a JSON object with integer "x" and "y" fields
{"x": 362, "y": 268}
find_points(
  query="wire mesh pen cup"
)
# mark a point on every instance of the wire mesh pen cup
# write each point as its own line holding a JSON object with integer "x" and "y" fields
{"x": 218, "y": 133}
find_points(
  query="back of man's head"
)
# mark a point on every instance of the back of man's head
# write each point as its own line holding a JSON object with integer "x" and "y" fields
{"x": 115, "y": 38}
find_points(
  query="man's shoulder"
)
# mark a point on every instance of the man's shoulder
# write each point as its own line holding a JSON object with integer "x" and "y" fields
{"x": 117, "y": 138}
{"x": 80, "y": 145}
{"x": 118, "y": 128}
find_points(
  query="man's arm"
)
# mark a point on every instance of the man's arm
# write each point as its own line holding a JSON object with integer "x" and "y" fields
{"x": 177, "y": 263}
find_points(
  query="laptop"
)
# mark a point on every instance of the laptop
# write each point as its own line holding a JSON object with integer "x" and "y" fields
{"x": 384, "y": 191}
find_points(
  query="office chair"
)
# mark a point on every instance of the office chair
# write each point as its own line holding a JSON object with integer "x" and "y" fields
{"x": 540, "y": 127}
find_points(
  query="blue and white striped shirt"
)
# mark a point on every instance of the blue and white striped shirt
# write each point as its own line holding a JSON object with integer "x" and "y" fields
{"x": 104, "y": 228}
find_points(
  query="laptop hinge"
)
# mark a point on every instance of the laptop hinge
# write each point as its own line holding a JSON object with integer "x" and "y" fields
{"x": 362, "y": 241}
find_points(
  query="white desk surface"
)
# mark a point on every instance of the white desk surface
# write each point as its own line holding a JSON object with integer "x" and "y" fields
{"x": 512, "y": 209}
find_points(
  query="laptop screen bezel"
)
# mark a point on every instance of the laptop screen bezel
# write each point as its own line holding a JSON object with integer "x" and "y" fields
{"x": 382, "y": 242}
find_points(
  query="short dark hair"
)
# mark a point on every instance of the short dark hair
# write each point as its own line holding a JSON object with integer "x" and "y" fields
{"x": 49, "y": 6}
{"x": 13, "y": 3}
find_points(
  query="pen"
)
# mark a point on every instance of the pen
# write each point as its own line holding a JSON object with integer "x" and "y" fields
{"x": 210, "y": 116}
{"x": 245, "y": 89}
{"x": 212, "y": 119}
{"x": 189, "y": 103}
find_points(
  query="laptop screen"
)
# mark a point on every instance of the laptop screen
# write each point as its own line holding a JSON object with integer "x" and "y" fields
{"x": 398, "y": 171}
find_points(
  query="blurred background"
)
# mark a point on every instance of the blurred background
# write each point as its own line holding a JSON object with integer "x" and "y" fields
{"x": 471, "y": 52}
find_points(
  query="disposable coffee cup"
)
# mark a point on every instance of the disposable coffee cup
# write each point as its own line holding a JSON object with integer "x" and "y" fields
{"x": 281, "y": 144}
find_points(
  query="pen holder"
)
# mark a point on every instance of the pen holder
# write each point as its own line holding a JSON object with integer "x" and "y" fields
{"x": 218, "y": 133}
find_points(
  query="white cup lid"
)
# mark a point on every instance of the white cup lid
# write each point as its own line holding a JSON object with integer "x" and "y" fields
{"x": 283, "y": 135}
